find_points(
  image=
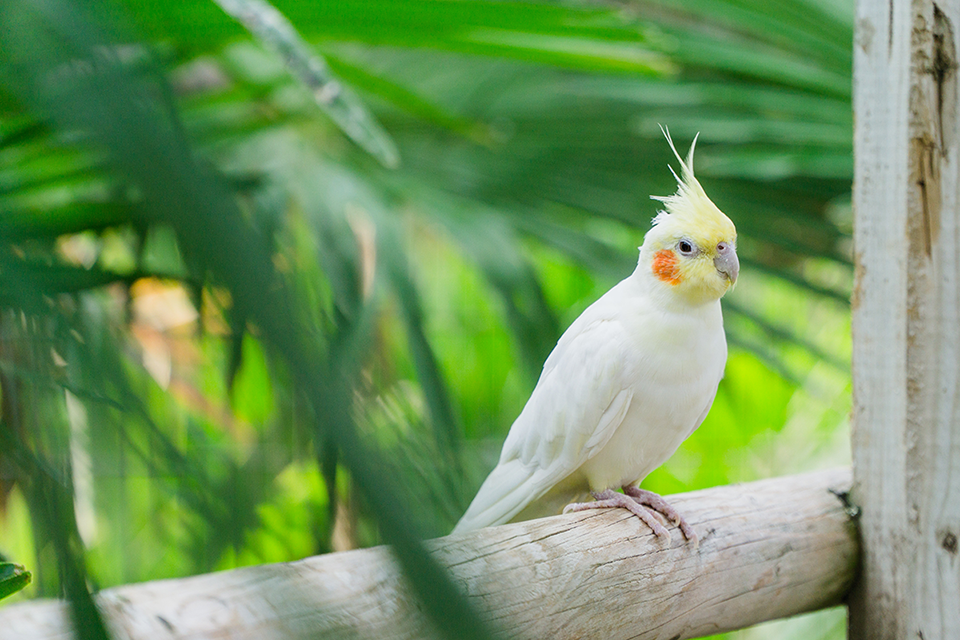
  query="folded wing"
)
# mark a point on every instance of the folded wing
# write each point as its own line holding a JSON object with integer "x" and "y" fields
{"x": 580, "y": 400}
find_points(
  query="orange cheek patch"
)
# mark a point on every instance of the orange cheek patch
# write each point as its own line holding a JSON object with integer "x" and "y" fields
{"x": 665, "y": 266}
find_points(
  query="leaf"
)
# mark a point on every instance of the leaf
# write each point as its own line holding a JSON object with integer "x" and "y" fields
{"x": 145, "y": 143}
{"x": 337, "y": 100}
{"x": 13, "y": 578}
{"x": 584, "y": 36}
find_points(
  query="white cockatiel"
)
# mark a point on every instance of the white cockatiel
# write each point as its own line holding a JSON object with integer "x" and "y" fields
{"x": 630, "y": 379}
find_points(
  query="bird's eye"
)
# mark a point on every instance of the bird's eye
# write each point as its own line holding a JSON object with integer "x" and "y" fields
{"x": 685, "y": 247}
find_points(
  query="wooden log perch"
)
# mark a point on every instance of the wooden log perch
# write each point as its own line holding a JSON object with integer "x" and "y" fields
{"x": 768, "y": 549}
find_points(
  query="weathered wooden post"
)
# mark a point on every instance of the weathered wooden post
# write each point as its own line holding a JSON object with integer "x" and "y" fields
{"x": 906, "y": 320}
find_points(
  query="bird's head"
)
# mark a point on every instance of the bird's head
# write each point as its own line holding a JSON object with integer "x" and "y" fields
{"x": 692, "y": 247}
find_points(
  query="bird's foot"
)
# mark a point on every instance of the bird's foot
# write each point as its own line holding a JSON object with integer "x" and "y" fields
{"x": 646, "y": 505}
{"x": 611, "y": 499}
{"x": 658, "y": 503}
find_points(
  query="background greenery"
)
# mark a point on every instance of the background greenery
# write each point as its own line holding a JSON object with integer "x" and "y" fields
{"x": 273, "y": 286}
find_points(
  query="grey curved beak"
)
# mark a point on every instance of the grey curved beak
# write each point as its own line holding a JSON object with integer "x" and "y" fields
{"x": 727, "y": 262}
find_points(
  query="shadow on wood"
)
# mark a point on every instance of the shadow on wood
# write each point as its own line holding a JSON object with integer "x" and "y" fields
{"x": 768, "y": 550}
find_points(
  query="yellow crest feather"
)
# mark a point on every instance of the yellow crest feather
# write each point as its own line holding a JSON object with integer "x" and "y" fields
{"x": 690, "y": 205}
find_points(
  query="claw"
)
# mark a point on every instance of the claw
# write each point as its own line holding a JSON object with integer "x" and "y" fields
{"x": 610, "y": 499}
{"x": 644, "y": 504}
{"x": 657, "y": 502}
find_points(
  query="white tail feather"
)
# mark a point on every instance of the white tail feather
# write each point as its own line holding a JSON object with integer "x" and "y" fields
{"x": 509, "y": 488}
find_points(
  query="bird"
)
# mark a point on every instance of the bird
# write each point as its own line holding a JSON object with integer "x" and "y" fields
{"x": 631, "y": 378}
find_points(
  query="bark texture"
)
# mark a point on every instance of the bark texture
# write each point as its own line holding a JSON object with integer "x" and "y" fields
{"x": 768, "y": 549}
{"x": 906, "y": 320}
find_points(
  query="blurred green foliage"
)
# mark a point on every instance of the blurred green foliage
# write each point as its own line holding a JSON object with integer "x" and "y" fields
{"x": 13, "y": 578}
{"x": 277, "y": 287}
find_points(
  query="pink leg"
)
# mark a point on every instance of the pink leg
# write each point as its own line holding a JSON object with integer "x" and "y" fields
{"x": 657, "y": 503}
{"x": 610, "y": 499}
{"x": 644, "y": 504}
